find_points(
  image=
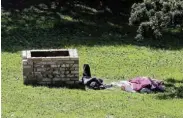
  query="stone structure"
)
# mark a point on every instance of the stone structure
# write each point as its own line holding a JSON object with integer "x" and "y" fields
{"x": 50, "y": 67}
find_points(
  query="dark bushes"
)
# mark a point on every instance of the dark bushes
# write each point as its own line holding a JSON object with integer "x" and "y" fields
{"x": 153, "y": 16}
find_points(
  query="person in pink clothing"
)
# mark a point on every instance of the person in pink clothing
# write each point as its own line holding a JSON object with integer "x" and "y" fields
{"x": 139, "y": 83}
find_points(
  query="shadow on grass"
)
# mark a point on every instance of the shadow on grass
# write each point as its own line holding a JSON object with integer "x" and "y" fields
{"x": 174, "y": 89}
{"x": 78, "y": 86}
{"x": 40, "y": 26}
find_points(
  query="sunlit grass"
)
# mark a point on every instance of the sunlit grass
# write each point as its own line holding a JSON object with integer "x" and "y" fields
{"x": 111, "y": 57}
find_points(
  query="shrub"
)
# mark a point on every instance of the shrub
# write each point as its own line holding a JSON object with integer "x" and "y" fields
{"x": 152, "y": 16}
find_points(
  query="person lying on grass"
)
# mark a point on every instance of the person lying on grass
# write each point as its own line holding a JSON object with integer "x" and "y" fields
{"x": 141, "y": 84}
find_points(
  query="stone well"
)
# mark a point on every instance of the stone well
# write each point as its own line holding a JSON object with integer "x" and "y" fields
{"x": 49, "y": 67}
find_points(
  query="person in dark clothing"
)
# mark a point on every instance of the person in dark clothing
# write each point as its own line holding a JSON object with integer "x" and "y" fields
{"x": 91, "y": 82}
{"x": 86, "y": 71}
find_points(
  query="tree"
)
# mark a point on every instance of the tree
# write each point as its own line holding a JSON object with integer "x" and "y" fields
{"x": 153, "y": 16}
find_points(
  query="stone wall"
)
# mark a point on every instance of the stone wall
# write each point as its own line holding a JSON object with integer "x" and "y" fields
{"x": 51, "y": 70}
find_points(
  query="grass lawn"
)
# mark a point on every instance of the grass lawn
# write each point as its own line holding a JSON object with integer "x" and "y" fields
{"x": 111, "y": 55}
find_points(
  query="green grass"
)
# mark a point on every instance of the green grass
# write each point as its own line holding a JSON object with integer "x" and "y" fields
{"x": 112, "y": 56}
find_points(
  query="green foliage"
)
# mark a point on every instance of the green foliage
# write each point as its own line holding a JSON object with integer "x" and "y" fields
{"x": 112, "y": 55}
{"x": 152, "y": 16}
